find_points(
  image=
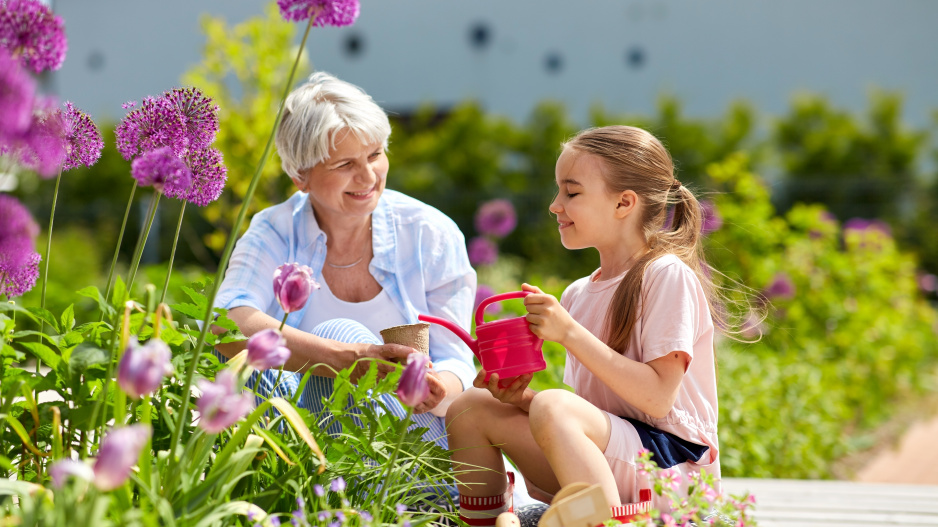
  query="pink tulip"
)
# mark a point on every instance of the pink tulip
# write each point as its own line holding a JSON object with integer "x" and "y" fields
{"x": 292, "y": 285}
{"x": 142, "y": 368}
{"x": 222, "y": 403}
{"x": 69, "y": 467}
{"x": 413, "y": 388}
{"x": 267, "y": 349}
{"x": 119, "y": 452}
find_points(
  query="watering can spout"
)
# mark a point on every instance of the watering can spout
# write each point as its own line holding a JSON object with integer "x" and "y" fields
{"x": 460, "y": 332}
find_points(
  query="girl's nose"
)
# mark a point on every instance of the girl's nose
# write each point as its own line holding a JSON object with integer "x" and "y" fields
{"x": 555, "y": 207}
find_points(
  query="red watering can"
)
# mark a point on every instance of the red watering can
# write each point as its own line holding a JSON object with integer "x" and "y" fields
{"x": 506, "y": 347}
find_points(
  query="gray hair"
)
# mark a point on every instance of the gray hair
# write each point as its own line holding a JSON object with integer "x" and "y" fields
{"x": 316, "y": 111}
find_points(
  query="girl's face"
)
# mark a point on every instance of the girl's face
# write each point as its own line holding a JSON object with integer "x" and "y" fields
{"x": 350, "y": 181}
{"x": 585, "y": 208}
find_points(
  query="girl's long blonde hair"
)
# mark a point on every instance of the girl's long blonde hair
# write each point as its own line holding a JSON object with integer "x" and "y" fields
{"x": 635, "y": 160}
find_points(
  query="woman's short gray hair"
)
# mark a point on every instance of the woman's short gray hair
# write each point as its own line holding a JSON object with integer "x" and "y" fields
{"x": 316, "y": 111}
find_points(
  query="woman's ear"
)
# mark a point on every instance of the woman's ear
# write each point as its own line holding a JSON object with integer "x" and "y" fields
{"x": 628, "y": 202}
{"x": 302, "y": 182}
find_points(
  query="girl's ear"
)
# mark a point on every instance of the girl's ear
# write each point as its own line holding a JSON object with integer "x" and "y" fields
{"x": 628, "y": 202}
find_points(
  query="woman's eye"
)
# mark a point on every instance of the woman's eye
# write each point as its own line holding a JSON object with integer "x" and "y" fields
{"x": 374, "y": 155}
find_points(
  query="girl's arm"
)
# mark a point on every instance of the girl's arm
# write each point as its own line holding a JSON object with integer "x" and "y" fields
{"x": 651, "y": 387}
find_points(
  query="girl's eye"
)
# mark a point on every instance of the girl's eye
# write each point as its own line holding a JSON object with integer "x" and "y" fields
{"x": 569, "y": 195}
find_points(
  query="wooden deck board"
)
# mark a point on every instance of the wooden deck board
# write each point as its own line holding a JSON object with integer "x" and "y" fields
{"x": 806, "y": 503}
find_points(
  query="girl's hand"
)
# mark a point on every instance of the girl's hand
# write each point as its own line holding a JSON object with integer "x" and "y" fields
{"x": 437, "y": 392}
{"x": 515, "y": 392}
{"x": 546, "y": 317}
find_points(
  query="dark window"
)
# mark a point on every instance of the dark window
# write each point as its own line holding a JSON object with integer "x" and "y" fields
{"x": 354, "y": 45}
{"x": 480, "y": 36}
{"x": 635, "y": 57}
{"x": 553, "y": 62}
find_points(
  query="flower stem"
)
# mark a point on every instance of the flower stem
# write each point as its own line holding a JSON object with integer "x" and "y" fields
{"x": 283, "y": 322}
{"x": 120, "y": 238}
{"x": 392, "y": 460}
{"x": 45, "y": 271}
{"x": 142, "y": 242}
{"x": 172, "y": 254}
{"x": 229, "y": 246}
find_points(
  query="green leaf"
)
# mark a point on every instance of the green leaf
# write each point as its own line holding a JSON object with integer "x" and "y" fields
{"x": 190, "y": 310}
{"x": 119, "y": 295}
{"x": 94, "y": 294}
{"x": 84, "y": 356}
{"x": 68, "y": 318}
{"x": 44, "y": 353}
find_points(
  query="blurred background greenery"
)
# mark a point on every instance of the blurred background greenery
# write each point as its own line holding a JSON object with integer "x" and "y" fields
{"x": 852, "y": 324}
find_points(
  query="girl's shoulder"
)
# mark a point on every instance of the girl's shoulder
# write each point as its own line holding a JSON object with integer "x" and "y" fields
{"x": 667, "y": 265}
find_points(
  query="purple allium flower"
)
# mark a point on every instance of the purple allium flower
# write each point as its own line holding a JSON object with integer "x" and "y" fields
{"x": 318, "y": 490}
{"x": 142, "y": 368}
{"x": 19, "y": 262}
{"x": 119, "y": 452}
{"x": 43, "y": 144}
{"x": 335, "y": 13}
{"x": 413, "y": 389}
{"x": 337, "y": 485}
{"x": 482, "y": 292}
{"x": 32, "y": 34}
{"x": 83, "y": 142}
{"x": 16, "y": 221}
{"x": 200, "y": 115}
{"x": 222, "y": 403}
{"x": 17, "y": 92}
{"x": 162, "y": 170}
{"x": 864, "y": 225}
{"x": 292, "y": 285}
{"x": 928, "y": 282}
{"x": 208, "y": 177}
{"x": 157, "y": 122}
{"x": 496, "y": 218}
{"x": 712, "y": 221}
{"x": 267, "y": 349}
{"x": 64, "y": 468}
{"x": 482, "y": 251}
{"x": 780, "y": 287}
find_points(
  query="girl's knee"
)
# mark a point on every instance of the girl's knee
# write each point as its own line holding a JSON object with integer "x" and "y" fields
{"x": 466, "y": 409}
{"x": 552, "y": 409}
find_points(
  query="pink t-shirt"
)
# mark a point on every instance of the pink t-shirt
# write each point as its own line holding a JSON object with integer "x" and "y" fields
{"x": 674, "y": 317}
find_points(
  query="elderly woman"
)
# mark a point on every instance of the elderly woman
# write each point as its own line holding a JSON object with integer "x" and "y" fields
{"x": 381, "y": 257}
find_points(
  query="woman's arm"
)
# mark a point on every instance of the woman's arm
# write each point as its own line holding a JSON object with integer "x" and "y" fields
{"x": 308, "y": 350}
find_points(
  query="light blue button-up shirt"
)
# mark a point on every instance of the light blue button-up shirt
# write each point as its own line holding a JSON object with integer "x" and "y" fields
{"x": 419, "y": 258}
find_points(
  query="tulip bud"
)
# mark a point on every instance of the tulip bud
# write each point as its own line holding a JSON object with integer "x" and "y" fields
{"x": 142, "y": 368}
{"x": 413, "y": 388}
{"x": 292, "y": 285}
{"x": 267, "y": 349}
{"x": 119, "y": 452}
{"x": 222, "y": 403}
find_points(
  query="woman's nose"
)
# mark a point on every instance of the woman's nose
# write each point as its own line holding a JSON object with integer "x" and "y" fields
{"x": 368, "y": 174}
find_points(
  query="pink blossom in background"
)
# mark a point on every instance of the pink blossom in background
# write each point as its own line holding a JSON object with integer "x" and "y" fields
{"x": 865, "y": 225}
{"x": 33, "y": 34}
{"x": 928, "y": 282}
{"x": 223, "y": 403}
{"x": 157, "y": 122}
{"x": 482, "y": 292}
{"x": 267, "y": 349}
{"x": 142, "y": 368}
{"x": 671, "y": 478}
{"x": 63, "y": 468}
{"x": 162, "y": 170}
{"x": 293, "y": 284}
{"x": 752, "y": 326}
{"x": 83, "y": 142}
{"x": 209, "y": 175}
{"x": 781, "y": 287}
{"x": 496, "y": 218}
{"x": 712, "y": 221}
{"x": 119, "y": 451}
{"x": 336, "y": 13}
{"x": 482, "y": 251}
{"x": 16, "y": 102}
{"x": 200, "y": 115}
{"x": 413, "y": 389}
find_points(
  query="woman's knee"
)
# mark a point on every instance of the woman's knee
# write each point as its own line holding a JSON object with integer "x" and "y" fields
{"x": 470, "y": 409}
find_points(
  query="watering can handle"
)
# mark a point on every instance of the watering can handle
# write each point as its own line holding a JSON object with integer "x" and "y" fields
{"x": 480, "y": 311}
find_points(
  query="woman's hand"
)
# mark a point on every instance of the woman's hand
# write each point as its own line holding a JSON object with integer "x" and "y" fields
{"x": 387, "y": 352}
{"x": 437, "y": 392}
{"x": 546, "y": 317}
{"x": 513, "y": 391}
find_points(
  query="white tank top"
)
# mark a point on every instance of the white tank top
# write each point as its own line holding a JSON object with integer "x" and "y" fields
{"x": 375, "y": 314}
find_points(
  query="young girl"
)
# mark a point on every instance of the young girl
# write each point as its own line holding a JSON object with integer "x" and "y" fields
{"x": 638, "y": 334}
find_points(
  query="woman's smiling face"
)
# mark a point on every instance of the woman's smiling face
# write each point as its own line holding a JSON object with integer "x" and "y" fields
{"x": 584, "y": 206}
{"x": 350, "y": 181}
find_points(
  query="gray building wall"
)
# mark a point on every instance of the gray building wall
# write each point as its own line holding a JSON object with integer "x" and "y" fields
{"x": 621, "y": 53}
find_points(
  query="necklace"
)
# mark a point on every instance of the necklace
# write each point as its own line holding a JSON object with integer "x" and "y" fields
{"x": 348, "y": 266}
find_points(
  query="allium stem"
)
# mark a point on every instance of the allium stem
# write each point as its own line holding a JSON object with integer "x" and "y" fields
{"x": 45, "y": 271}
{"x": 120, "y": 238}
{"x": 142, "y": 242}
{"x": 172, "y": 254}
{"x": 229, "y": 246}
